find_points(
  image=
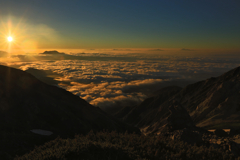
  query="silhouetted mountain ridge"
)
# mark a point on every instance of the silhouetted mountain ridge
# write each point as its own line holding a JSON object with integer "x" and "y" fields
{"x": 54, "y": 52}
{"x": 211, "y": 103}
{"x": 214, "y": 101}
{"x": 31, "y": 104}
{"x": 26, "y": 104}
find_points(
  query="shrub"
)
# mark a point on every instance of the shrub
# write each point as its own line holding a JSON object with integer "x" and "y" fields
{"x": 113, "y": 145}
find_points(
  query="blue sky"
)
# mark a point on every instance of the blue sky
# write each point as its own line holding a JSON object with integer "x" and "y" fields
{"x": 131, "y": 23}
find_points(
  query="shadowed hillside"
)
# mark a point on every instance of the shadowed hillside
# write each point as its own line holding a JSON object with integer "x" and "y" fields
{"x": 215, "y": 102}
{"x": 27, "y": 104}
{"x": 212, "y": 103}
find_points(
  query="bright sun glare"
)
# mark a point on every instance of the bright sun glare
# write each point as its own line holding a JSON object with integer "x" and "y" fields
{"x": 10, "y": 39}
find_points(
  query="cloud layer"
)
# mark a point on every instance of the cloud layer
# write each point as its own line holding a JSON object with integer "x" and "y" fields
{"x": 111, "y": 82}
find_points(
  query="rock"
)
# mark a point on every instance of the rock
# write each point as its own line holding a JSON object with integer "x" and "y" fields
{"x": 220, "y": 133}
{"x": 214, "y": 145}
{"x": 178, "y": 119}
{"x": 234, "y": 132}
{"x": 144, "y": 114}
{"x": 234, "y": 148}
{"x": 169, "y": 117}
{"x": 226, "y": 147}
{"x": 158, "y": 154}
{"x": 236, "y": 136}
{"x": 189, "y": 136}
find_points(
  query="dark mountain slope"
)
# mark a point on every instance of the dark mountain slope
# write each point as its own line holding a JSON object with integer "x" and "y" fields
{"x": 133, "y": 115}
{"x": 169, "y": 117}
{"x": 212, "y": 103}
{"x": 27, "y": 103}
{"x": 152, "y": 113}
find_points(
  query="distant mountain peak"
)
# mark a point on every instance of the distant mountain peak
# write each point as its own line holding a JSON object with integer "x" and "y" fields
{"x": 52, "y": 52}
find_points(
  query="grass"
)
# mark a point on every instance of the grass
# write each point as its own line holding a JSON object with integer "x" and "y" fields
{"x": 113, "y": 145}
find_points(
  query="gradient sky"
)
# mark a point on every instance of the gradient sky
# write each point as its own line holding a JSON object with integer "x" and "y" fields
{"x": 201, "y": 24}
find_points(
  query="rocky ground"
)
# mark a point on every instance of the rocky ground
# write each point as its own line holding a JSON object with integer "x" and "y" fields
{"x": 228, "y": 140}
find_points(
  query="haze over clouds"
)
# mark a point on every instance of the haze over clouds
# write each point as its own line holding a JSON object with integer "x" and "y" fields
{"x": 107, "y": 80}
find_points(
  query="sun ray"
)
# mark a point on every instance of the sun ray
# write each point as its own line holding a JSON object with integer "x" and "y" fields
{"x": 11, "y": 32}
{"x": 16, "y": 36}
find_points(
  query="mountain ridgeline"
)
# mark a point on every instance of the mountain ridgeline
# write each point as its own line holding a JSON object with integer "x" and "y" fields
{"x": 212, "y": 103}
{"x": 167, "y": 120}
{"x": 27, "y": 104}
{"x": 31, "y": 109}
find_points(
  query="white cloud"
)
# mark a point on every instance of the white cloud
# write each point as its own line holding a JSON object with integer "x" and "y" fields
{"x": 119, "y": 83}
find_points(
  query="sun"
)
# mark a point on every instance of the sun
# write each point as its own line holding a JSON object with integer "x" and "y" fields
{"x": 10, "y": 39}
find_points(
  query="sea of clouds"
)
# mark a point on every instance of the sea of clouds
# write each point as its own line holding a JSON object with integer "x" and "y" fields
{"x": 107, "y": 80}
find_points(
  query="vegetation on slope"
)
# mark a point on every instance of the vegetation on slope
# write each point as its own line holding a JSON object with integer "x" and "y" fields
{"x": 113, "y": 145}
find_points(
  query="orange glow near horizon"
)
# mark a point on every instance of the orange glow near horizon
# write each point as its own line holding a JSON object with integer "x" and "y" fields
{"x": 7, "y": 33}
{"x": 18, "y": 36}
{"x": 15, "y": 35}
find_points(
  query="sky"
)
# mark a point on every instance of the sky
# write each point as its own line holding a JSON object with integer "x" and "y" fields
{"x": 94, "y": 24}
{"x": 116, "y": 53}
